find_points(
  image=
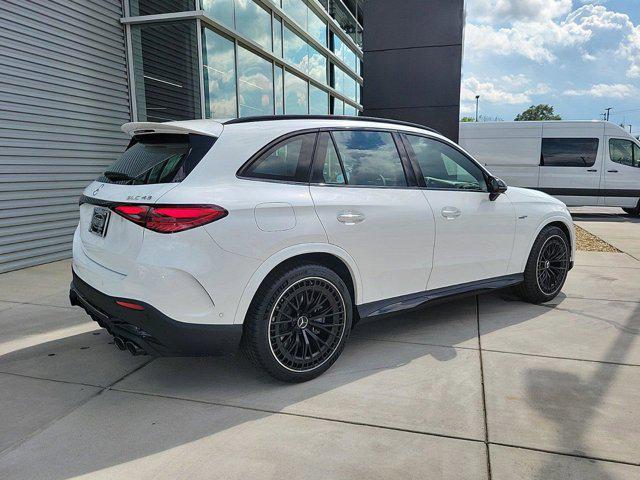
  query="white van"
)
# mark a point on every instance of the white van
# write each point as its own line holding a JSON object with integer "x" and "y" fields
{"x": 581, "y": 163}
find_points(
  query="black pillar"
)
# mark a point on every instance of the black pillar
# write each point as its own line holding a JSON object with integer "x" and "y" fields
{"x": 413, "y": 61}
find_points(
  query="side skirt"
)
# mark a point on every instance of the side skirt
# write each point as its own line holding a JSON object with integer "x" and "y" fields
{"x": 413, "y": 300}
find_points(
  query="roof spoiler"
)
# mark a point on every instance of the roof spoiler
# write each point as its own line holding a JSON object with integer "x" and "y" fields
{"x": 200, "y": 127}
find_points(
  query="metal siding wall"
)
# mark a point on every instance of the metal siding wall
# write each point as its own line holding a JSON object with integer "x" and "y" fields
{"x": 63, "y": 97}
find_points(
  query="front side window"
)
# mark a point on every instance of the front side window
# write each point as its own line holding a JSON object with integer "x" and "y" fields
{"x": 444, "y": 167}
{"x": 287, "y": 161}
{"x": 569, "y": 152}
{"x": 370, "y": 158}
{"x": 624, "y": 152}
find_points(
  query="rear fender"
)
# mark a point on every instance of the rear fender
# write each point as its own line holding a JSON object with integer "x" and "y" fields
{"x": 277, "y": 258}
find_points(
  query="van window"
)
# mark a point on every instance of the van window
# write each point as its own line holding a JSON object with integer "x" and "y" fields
{"x": 624, "y": 152}
{"x": 158, "y": 158}
{"x": 287, "y": 161}
{"x": 569, "y": 152}
{"x": 444, "y": 167}
{"x": 370, "y": 158}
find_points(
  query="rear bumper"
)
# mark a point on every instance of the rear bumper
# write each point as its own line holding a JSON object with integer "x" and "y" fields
{"x": 155, "y": 332}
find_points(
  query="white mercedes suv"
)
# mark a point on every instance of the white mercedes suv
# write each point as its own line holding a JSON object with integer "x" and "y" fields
{"x": 277, "y": 234}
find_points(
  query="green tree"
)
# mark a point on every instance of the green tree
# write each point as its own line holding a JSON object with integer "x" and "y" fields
{"x": 537, "y": 113}
{"x": 468, "y": 119}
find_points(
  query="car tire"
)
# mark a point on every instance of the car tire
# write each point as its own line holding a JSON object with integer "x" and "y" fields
{"x": 547, "y": 266}
{"x": 634, "y": 212}
{"x": 298, "y": 322}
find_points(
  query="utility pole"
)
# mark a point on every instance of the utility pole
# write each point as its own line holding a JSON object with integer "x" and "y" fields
{"x": 477, "y": 104}
{"x": 608, "y": 113}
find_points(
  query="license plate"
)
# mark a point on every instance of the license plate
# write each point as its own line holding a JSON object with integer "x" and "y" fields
{"x": 99, "y": 221}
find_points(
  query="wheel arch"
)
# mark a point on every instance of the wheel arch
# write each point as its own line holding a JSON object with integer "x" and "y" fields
{"x": 562, "y": 222}
{"x": 324, "y": 254}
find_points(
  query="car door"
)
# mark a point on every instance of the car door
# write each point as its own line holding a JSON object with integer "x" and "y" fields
{"x": 622, "y": 173}
{"x": 571, "y": 168}
{"x": 474, "y": 234}
{"x": 369, "y": 208}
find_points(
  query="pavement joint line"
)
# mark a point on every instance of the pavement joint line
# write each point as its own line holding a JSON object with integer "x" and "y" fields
{"x": 491, "y": 350}
{"x": 484, "y": 397}
{"x": 34, "y": 377}
{"x": 65, "y": 414}
{"x": 601, "y": 299}
{"x": 565, "y": 454}
{"x": 32, "y": 303}
{"x": 364, "y": 424}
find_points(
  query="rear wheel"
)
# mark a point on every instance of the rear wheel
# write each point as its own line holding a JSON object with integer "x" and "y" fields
{"x": 547, "y": 266}
{"x": 298, "y": 322}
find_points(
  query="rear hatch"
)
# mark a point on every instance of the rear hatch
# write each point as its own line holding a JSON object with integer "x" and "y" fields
{"x": 157, "y": 159}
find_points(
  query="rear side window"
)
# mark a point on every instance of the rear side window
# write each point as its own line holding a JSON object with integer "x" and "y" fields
{"x": 624, "y": 152}
{"x": 569, "y": 152}
{"x": 370, "y": 158}
{"x": 286, "y": 161}
{"x": 158, "y": 158}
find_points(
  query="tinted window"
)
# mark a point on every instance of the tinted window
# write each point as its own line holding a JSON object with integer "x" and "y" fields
{"x": 445, "y": 167}
{"x": 287, "y": 161}
{"x": 318, "y": 101}
{"x": 158, "y": 158}
{"x": 622, "y": 152}
{"x": 328, "y": 168}
{"x": 370, "y": 158}
{"x": 569, "y": 152}
{"x": 254, "y": 22}
{"x": 296, "y": 98}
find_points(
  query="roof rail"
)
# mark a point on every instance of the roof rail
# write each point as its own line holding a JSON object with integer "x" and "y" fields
{"x": 267, "y": 118}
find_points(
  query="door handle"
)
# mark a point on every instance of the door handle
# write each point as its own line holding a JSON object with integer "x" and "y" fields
{"x": 350, "y": 218}
{"x": 612, "y": 171}
{"x": 592, "y": 170}
{"x": 450, "y": 213}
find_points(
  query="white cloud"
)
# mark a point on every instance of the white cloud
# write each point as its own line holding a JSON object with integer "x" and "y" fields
{"x": 603, "y": 90}
{"x": 541, "y": 38}
{"x": 508, "y": 90}
{"x": 517, "y": 10}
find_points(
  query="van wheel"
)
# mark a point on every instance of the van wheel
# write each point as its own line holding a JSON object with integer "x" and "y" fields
{"x": 298, "y": 323}
{"x": 547, "y": 266}
{"x": 634, "y": 212}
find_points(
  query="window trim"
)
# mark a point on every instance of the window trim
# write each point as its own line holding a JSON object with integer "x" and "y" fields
{"x": 409, "y": 174}
{"x": 303, "y": 170}
{"x": 595, "y": 160}
{"x": 418, "y": 171}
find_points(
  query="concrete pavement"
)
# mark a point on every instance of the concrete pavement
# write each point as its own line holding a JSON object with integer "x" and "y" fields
{"x": 485, "y": 387}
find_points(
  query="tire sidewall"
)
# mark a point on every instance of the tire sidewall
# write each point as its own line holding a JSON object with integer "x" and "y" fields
{"x": 261, "y": 313}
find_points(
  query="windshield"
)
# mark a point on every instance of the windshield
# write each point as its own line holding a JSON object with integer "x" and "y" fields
{"x": 158, "y": 158}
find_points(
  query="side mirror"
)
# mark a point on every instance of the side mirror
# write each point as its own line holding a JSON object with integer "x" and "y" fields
{"x": 496, "y": 187}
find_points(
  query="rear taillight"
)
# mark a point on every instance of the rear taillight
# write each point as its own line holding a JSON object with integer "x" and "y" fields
{"x": 171, "y": 218}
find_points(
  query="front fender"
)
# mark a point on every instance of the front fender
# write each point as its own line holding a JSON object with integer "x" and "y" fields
{"x": 285, "y": 254}
{"x": 551, "y": 217}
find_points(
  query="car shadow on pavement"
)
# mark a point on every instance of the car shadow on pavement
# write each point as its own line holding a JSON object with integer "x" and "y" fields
{"x": 401, "y": 371}
{"x": 573, "y": 401}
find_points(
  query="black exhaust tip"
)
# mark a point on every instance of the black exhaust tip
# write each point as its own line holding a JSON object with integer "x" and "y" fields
{"x": 120, "y": 343}
{"x": 134, "y": 349}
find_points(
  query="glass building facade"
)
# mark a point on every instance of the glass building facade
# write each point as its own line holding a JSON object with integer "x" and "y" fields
{"x": 237, "y": 58}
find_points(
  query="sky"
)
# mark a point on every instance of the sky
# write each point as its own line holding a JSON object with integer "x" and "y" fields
{"x": 581, "y": 56}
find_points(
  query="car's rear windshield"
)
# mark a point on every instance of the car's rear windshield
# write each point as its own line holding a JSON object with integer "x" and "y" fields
{"x": 158, "y": 158}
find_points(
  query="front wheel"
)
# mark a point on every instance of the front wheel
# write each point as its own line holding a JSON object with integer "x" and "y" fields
{"x": 547, "y": 266}
{"x": 298, "y": 322}
{"x": 634, "y": 212}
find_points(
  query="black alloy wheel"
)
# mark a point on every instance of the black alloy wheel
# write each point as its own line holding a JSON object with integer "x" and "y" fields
{"x": 552, "y": 265}
{"x": 306, "y": 324}
{"x": 298, "y": 322}
{"x": 547, "y": 266}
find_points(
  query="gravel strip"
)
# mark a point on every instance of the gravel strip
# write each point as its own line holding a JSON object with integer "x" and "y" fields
{"x": 588, "y": 242}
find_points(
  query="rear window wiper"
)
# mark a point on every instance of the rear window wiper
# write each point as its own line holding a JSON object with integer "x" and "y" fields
{"x": 118, "y": 176}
